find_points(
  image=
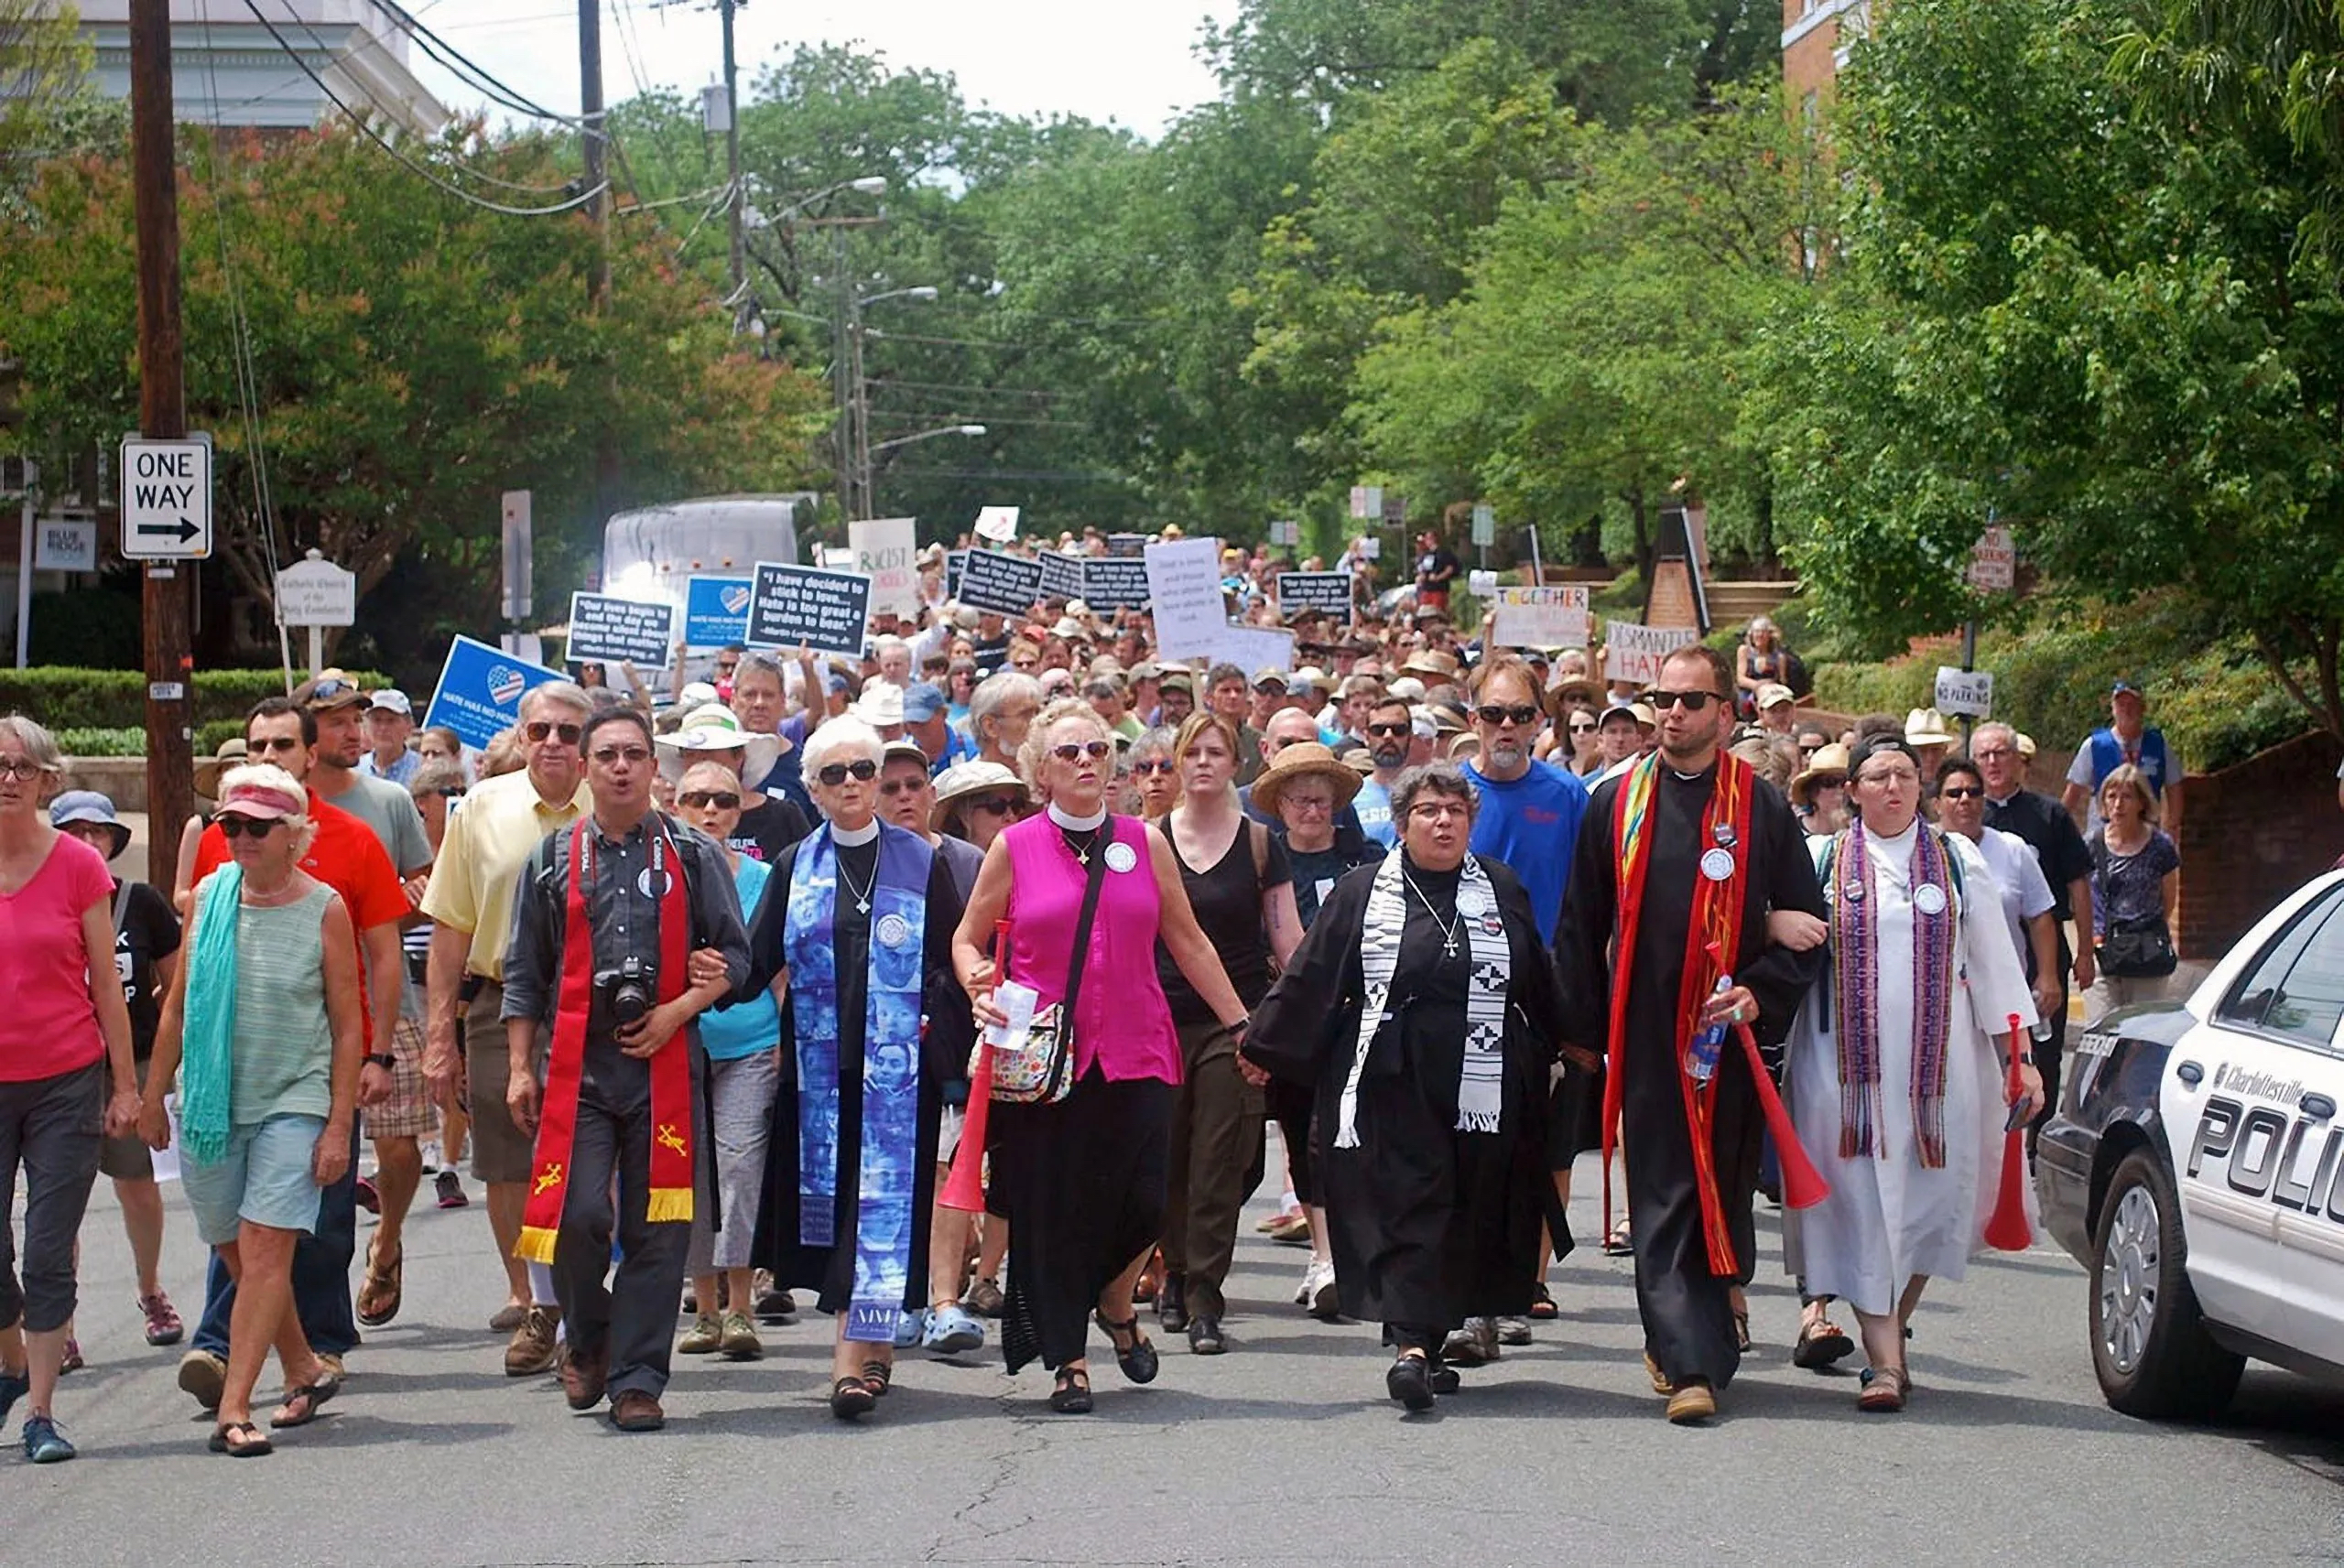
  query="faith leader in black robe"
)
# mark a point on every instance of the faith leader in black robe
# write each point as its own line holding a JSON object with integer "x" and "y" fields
{"x": 1707, "y": 841}
{"x": 1428, "y": 1222}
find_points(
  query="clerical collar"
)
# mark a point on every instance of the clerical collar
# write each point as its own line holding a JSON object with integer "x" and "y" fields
{"x": 854, "y": 837}
{"x": 1073, "y": 824}
{"x": 2003, "y": 801}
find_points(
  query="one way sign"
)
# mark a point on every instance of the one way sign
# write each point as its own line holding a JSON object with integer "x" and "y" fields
{"x": 165, "y": 499}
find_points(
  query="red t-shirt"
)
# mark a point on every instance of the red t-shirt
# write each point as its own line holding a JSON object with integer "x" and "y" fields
{"x": 45, "y": 966}
{"x": 345, "y": 856}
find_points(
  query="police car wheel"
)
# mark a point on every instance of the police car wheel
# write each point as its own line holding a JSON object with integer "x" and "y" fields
{"x": 2148, "y": 1344}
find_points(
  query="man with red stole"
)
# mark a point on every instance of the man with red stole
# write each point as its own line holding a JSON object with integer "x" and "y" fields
{"x": 1668, "y": 977}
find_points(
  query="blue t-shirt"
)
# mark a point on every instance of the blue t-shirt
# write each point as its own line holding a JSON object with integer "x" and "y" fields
{"x": 1374, "y": 806}
{"x": 728, "y": 1034}
{"x": 1531, "y": 825}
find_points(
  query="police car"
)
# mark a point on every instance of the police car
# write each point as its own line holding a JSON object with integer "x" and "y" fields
{"x": 2196, "y": 1169}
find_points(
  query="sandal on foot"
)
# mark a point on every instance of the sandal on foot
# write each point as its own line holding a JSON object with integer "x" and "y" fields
{"x": 1071, "y": 1395}
{"x": 239, "y": 1440}
{"x": 1885, "y": 1389}
{"x": 878, "y": 1376}
{"x": 1742, "y": 1332}
{"x": 1618, "y": 1243}
{"x": 851, "y": 1397}
{"x": 1820, "y": 1344}
{"x": 1139, "y": 1361}
{"x": 311, "y": 1398}
{"x": 1542, "y": 1305}
{"x": 380, "y": 1293}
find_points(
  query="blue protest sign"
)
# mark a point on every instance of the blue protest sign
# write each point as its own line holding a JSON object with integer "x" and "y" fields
{"x": 716, "y": 611}
{"x": 479, "y": 691}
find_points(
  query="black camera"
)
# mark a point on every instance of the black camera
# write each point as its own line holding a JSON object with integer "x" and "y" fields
{"x": 628, "y": 993}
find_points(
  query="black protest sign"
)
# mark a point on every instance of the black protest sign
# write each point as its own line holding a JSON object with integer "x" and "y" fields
{"x": 816, "y": 607}
{"x": 1006, "y": 585}
{"x": 1327, "y": 592}
{"x": 1115, "y": 584}
{"x": 954, "y": 561}
{"x": 1061, "y": 576}
{"x": 621, "y": 630}
{"x": 1131, "y": 546}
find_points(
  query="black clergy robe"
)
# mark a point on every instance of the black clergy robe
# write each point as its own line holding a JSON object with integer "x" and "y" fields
{"x": 1428, "y": 1225}
{"x": 945, "y": 1041}
{"x": 1686, "y": 1311}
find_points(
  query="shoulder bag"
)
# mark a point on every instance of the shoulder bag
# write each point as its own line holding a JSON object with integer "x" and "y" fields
{"x": 2137, "y": 949}
{"x": 1040, "y": 1069}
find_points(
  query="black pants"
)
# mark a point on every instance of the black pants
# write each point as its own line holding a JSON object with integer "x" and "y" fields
{"x": 632, "y": 1315}
{"x": 2048, "y": 1051}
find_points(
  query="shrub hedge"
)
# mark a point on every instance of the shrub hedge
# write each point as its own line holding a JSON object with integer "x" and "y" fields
{"x": 63, "y": 698}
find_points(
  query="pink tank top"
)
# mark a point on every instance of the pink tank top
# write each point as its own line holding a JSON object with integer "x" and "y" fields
{"x": 1122, "y": 1021}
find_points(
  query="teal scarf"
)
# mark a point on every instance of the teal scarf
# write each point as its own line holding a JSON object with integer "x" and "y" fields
{"x": 206, "y": 1087}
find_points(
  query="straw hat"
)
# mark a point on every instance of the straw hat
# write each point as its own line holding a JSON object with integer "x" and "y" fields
{"x": 1828, "y": 763}
{"x": 715, "y": 728}
{"x": 1926, "y": 727}
{"x": 1301, "y": 759}
{"x": 1436, "y": 663}
{"x": 208, "y": 770}
{"x": 964, "y": 779}
{"x": 1571, "y": 689}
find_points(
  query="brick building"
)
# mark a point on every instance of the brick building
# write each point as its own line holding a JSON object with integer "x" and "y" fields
{"x": 1815, "y": 36}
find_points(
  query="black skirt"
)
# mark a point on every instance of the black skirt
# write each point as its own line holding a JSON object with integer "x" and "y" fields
{"x": 1082, "y": 1182}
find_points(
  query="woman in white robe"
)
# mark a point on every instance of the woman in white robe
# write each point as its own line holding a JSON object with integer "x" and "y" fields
{"x": 1899, "y": 1214}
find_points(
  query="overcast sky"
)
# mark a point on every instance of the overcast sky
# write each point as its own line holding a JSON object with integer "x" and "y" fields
{"x": 1127, "y": 60}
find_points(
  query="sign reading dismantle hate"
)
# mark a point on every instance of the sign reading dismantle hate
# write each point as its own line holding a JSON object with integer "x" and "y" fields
{"x": 165, "y": 499}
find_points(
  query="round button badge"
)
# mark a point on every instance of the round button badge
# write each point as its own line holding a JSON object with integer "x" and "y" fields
{"x": 1121, "y": 856}
{"x": 1717, "y": 864}
{"x": 1929, "y": 899}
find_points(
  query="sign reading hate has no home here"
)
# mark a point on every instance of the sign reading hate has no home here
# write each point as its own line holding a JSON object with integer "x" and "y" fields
{"x": 815, "y": 607}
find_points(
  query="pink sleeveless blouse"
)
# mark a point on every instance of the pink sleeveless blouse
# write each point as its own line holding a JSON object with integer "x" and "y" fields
{"x": 1122, "y": 1021}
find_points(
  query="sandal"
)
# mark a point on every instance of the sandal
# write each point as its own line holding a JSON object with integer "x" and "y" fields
{"x": 1071, "y": 1395}
{"x": 1885, "y": 1389}
{"x": 1542, "y": 1305}
{"x": 240, "y": 1439}
{"x": 311, "y": 1397}
{"x": 379, "y": 1295}
{"x": 1618, "y": 1243}
{"x": 878, "y": 1376}
{"x": 1819, "y": 1344}
{"x": 1139, "y": 1362}
{"x": 851, "y": 1397}
{"x": 1742, "y": 1332}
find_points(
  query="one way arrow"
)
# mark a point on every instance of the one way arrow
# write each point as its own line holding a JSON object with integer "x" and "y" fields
{"x": 183, "y": 528}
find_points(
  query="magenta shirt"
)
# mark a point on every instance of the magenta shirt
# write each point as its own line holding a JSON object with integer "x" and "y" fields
{"x": 1122, "y": 1020}
{"x": 45, "y": 966}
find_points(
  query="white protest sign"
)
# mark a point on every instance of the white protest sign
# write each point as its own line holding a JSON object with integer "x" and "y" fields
{"x": 1635, "y": 654}
{"x": 1964, "y": 692}
{"x": 1184, "y": 581}
{"x": 1250, "y": 648}
{"x": 1553, "y": 617}
{"x": 998, "y": 523}
{"x": 885, "y": 549}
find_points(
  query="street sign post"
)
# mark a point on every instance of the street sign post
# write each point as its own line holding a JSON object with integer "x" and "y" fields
{"x": 1993, "y": 562}
{"x": 165, "y": 499}
{"x": 316, "y": 593}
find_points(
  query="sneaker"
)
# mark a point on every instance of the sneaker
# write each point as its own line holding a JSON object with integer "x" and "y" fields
{"x": 534, "y": 1345}
{"x": 1326, "y": 1303}
{"x": 73, "y": 1361}
{"x": 774, "y": 1304}
{"x": 163, "y": 1324}
{"x": 1309, "y": 1280}
{"x": 910, "y": 1327}
{"x": 739, "y": 1341}
{"x": 985, "y": 1299}
{"x": 202, "y": 1374}
{"x": 702, "y": 1337}
{"x": 1291, "y": 1229}
{"x": 1473, "y": 1344}
{"x": 1513, "y": 1331}
{"x": 1692, "y": 1402}
{"x": 368, "y": 1198}
{"x": 14, "y": 1386}
{"x": 44, "y": 1445}
{"x": 449, "y": 1187}
{"x": 951, "y": 1330}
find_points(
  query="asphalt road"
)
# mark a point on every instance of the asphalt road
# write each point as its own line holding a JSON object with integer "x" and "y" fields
{"x": 1283, "y": 1451}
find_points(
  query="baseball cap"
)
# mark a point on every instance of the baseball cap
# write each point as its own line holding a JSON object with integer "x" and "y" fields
{"x": 905, "y": 747}
{"x": 2122, "y": 687}
{"x": 923, "y": 702}
{"x": 1774, "y": 694}
{"x": 261, "y": 798}
{"x": 390, "y": 699}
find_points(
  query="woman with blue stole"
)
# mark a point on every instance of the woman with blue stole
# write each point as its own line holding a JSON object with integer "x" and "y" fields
{"x": 854, "y": 937}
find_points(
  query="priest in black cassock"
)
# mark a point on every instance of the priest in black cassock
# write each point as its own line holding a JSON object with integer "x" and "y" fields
{"x": 1681, "y": 861}
{"x": 1421, "y": 1009}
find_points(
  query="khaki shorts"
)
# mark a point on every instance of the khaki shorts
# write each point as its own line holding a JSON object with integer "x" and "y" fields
{"x": 409, "y": 1113}
{"x": 501, "y": 1151}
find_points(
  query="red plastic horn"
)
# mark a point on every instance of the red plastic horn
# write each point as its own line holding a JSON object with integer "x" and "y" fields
{"x": 2006, "y": 1228}
{"x": 964, "y": 1185}
{"x": 1803, "y": 1185}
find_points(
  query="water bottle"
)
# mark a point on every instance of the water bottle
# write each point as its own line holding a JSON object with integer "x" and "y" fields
{"x": 1701, "y": 1055}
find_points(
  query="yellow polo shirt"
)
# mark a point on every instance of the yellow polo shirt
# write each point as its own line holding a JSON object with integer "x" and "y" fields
{"x": 479, "y": 869}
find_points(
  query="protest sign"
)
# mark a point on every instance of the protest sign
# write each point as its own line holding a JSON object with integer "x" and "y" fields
{"x": 1554, "y": 617}
{"x": 1006, "y": 585}
{"x": 818, "y": 607}
{"x": 1327, "y": 592}
{"x": 1184, "y": 581}
{"x": 998, "y": 523}
{"x": 885, "y": 550}
{"x": 479, "y": 691}
{"x": 1131, "y": 547}
{"x": 1633, "y": 653}
{"x": 1061, "y": 576}
{"x": 1250, "y": 648}
{"x": 621, "y": 630}
{"x": 716, "y": 611}
{"x": 1115, "y": 583}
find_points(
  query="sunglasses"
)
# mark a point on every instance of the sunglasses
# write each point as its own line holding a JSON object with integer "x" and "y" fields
{"x": 450, "y": 794}
{"x": 1960, "y": 791}
{"x": 1497, "y": 713}
{"x": 257, "y": 827}
{"x": 1587, "y": 729}
{"x": 1164, "y": 765}
{"x": 327, "y": 690}
{"x": 1074, "y": 752}
{"x": 1691, "y": 701}
{"x": 610, "y": 756}
{"x": 835, "y": 774}
{"x": 895, "y": 788}
{"x": 993, "y": 805}
{"x": 537, "y": 729}
{"x": 1389, "y": 730}
{"x": 288, "y": 743}
{"x": 701, "y": 799}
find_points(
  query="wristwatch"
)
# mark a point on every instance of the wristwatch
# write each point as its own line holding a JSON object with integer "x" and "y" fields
{"x": 383, "y": 1060}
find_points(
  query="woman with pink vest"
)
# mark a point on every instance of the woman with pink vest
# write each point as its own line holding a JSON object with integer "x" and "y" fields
{"x": 1083, "y": 1179}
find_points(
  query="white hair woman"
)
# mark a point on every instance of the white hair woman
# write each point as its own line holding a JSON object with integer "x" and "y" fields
{"x": 854, "y": 936}
{"x": 68, "y": 1028}
{"x": 266, "y": 1030}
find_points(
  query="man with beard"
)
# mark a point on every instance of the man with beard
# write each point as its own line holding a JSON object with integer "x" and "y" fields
{"x": 1680, "y": 861}
{"x": 1389, "y": 730}
{"x": 2050, "y": 832}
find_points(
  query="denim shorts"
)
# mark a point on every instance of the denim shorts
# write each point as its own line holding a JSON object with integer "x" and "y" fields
{"x": 264, "y": 1176}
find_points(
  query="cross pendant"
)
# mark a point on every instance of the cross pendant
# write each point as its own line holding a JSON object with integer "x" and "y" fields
{"x": 1449, "y": 948}
{"x": 862, "y": 906}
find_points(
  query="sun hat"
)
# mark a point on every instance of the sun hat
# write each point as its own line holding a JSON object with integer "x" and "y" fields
{"x": 712, "y": 727}
{"x": 1828, "y": 763}
{"x": 1303, "y": 760}
{"x": 89, "y": 806}
{"x": 962, "y": 780}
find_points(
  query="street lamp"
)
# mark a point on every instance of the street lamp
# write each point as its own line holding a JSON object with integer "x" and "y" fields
{"x": 854, "y": 401}
{"x": 931, "y": 434}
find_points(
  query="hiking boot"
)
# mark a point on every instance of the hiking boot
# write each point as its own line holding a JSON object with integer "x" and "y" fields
{"x": 534, "y": 1346}
{"x": 704, "y": 1337}
{"x": 739, "y": 1341}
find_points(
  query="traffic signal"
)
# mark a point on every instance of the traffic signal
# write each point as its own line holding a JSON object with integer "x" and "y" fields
{"x": 12, "y": 391}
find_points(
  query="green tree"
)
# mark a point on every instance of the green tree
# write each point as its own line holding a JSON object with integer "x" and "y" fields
{"x": 44, "y": 74}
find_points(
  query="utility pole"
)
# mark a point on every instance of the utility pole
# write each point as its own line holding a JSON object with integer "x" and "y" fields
{"x": 595, "y": 134}
{"x": 162, "y": 413}
{"x": 732, "y": 148}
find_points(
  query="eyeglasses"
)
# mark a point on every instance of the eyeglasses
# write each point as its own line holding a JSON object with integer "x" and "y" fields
{"x": 893, "y": 788}
{"x": 1389, "y": 730}
{"x": 537, "y": 729}
{"x": 610, "y": 756}
{"x": 288, "y": 743}
{"x": 1164, "y": 765}
{"x": 835, "y": 774}
{"x": 1496, "y": 713}
{"x": 1439, "y": 811}
{"x": 701, "y": 799}
{"x": 23, "y": 768}
{"x": 1308, "y": 802}
{"x": 1075, "y": 752}
{"x": 1586, "y": 728}
{"x": 1901, "y": 776}
{"x": 993, "y": 805}
{"x": 1691, "y": 701}
{"x": 1960, "y": 791}
{"x": 257, "y": 827}
{"x": 1982, "y": 752}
